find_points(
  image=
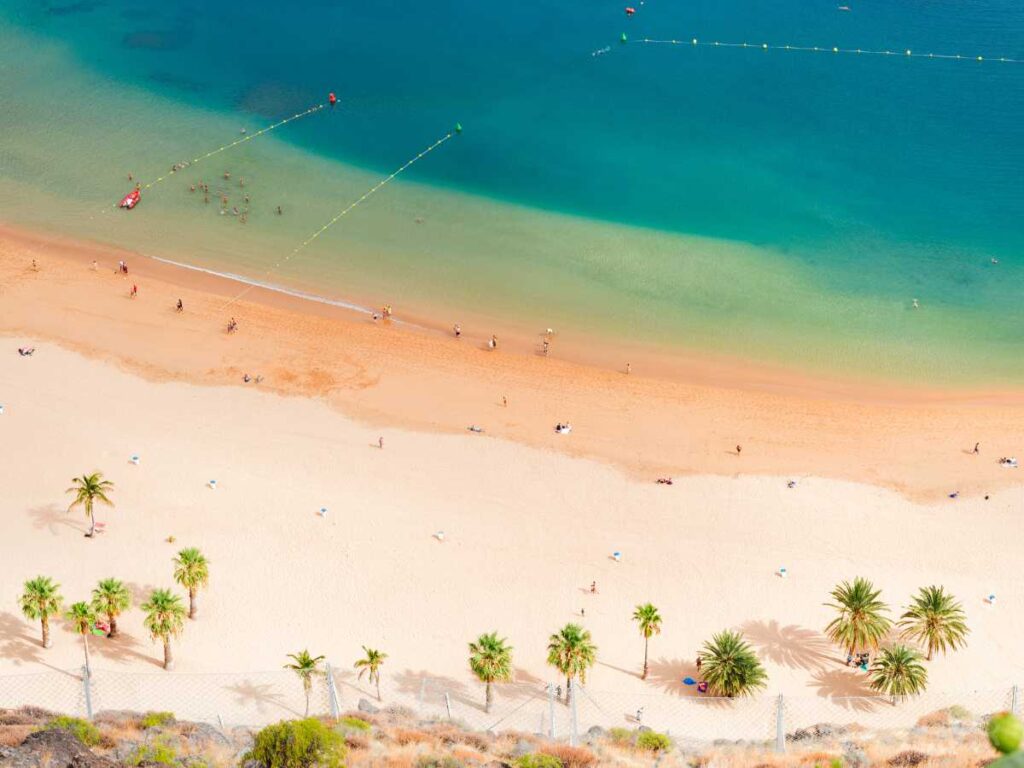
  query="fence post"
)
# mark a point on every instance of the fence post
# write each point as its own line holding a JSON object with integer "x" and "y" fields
{"x": 87, "y": 687}
{"x": 572, "y": 723}
{"x": 448, "y": 704}
{"x": 780, "y": 729}
{"x": 332, "y": 693}
{"x": 423, "y": 691}
{"x": 551, "y": 711}
{"x": 1013, "y": 700}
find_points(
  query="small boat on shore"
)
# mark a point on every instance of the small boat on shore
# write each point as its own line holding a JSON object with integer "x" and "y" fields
{"x": 130, "y": 200}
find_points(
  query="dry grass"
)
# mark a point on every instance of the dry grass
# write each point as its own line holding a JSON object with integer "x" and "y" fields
{"x": 405, "y": 736}
{"x": 13, "y": 735}
{"x": 571, "y": 757}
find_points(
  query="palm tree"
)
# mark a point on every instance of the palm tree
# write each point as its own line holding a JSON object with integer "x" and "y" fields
{"x": 730, "y": 666}
{"x": 40, "y": 600}
{"x": 860, "y": 623}
{"x": 371, "y": 663}
{"x": 649, "y": 621}
{"x": 191, "y": 570}
{"x": 89, "y": 489}
{"x": 165, "y": 619}
{"x": 491, "y": 661}
{"x": 571, "y": 652}
{"x": 82, "y": 617}
{"x": 898, "y": 672}
{"x": 305, "y": 666}
{"x": 111, "y": 598}
{"x": 935, "y": 619}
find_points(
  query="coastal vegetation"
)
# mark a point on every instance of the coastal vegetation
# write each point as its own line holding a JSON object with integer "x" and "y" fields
{"x": 731, "y": 667}
{"x": 572, "y": 652}
{"x": 490, "y": 659}
{"x": 648, "y": 621}
{"x": 305, "y": 667}
{"x": 40, "y": 600}
{"x": 898, "y": 673}
{"x": 370, "y": 665}
{"x": 861, "y": 623}
{"x": 191, "y": 570}
{"x": 111, "y": 598}
{"x": 88, "y": 490}
{"x": 936, "y": 620}
{"x": 297, "y": 744}
{"x": 82, "y": 618}
{"x": 165, "y": 620}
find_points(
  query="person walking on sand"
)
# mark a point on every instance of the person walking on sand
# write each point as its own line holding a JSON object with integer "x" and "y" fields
{"x": 180, "y": 307}
{"x": 593, "y": 587}
{"x": 135, "y": 290}
{"x": 739, "y": 449}
{"x": 629, "y": 368}
{"x": 493, "y": 343}
{"x": 547, "y": 347}
{"x": 700, "y": 663}
{"x": 457, "y": 330}
{"x": 504, "y": 401}
{"x": 380, "y": 442}
{"x": 976, "y": 449}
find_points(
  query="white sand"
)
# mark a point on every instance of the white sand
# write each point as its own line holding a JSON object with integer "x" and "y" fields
{"x": 526, "y": 532}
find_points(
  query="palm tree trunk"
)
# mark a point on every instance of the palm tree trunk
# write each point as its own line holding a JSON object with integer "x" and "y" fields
{"x": 192, "y": 603}
{"x": 168, "y": 655}
{"x": 644, "y": 675}
{"x": 378, "y": 686}
{"x": 85, "y": 639}
{"x": 112, "y": 619}
{"x": 568, "y": 688}
{"x": 487, "y": 698}
{"x": 47, "y": 642}
{"x": 307, "y": 700}
{"x": 92, "y": 523}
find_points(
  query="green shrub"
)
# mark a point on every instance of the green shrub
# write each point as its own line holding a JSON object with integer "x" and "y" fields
{"x": 297, "y": 744}
{"x": 959, "y": 713}
{"x": 619, "y": 735}
{"x": 157, "y": 753}
{"x": 83, "y": 730}
{"x": 537, "y": 760}
{"x": 156, "y": 719}
{"x": 653, "y": 741}
{"x": 355, "y": 723}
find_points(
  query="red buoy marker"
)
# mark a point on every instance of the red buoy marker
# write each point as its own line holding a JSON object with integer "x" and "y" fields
{"x": 332, "y": 99}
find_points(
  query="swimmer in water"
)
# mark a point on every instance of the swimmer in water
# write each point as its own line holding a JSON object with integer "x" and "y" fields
{"x": 916, "y": 304}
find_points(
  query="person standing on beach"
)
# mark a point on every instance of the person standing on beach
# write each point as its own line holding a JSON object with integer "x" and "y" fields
{"x": 504, "y": 401}
{"x": 180, "y": 307}
{"x": 458, "y": 330}
{"x": 135, "y": 290}
{"x": 380, "y": 442}
{"x": 629, "y": 368}
{"x": 976, "y": 447}
{"x": 739, "y": 449}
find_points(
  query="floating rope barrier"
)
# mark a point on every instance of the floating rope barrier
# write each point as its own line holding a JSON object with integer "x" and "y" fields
{"x": 906, "y": 53}
{"x": 248, "y": 137}
{"x": 235, "y": 143}
{"x": 352, "y": 206}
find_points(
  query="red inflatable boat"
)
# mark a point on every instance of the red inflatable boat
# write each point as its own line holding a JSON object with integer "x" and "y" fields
{"x": 130, "y": 200}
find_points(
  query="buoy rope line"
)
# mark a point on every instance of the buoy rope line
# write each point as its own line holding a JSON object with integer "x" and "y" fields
{"x": 905, "y": 53}
{"x": 346, "y": 210}
{"x": 224, "y": 148}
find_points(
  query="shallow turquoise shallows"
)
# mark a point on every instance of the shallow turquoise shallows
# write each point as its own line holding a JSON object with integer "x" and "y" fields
{"x": 786, "y": 206}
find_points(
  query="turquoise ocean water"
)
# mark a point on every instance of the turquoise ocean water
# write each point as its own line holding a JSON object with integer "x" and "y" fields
{"x": 783, "y": 206}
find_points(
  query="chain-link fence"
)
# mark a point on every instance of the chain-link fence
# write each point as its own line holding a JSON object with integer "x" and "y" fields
{"x": 527, "y": 705}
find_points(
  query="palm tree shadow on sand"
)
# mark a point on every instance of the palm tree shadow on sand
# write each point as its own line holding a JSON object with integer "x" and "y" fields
{"x": 52, "y": 518}
{"x": 847, "y": 689}
{"x": 790, "y": 646}
{"x": 411, "y": 683}
{"x": 263, "y": 697}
